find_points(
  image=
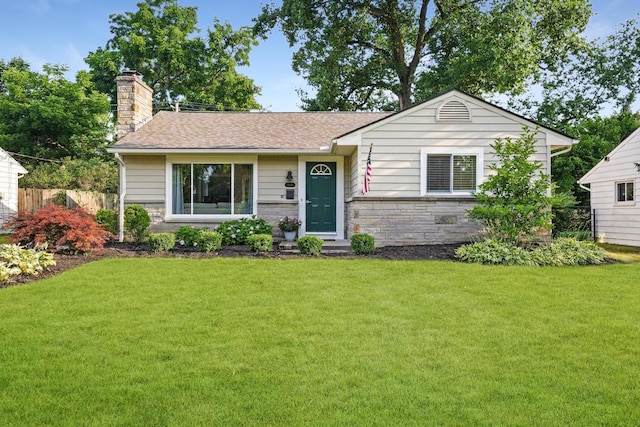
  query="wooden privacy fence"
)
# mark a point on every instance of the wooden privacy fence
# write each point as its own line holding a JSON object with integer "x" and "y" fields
{"x": 32, "y": 199}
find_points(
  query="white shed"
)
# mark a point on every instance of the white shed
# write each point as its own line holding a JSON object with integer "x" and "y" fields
{"x": 613, "y": 184}
{"x": 10, "y": 171}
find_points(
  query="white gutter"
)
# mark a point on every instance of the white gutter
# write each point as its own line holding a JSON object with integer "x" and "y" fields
{"x": 583, "y": 187}
{"x": 557, "y": 153}
{"x": 123, "y": 193}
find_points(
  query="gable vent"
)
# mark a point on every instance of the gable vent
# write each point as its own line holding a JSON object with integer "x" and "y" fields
{"x": 453, "y": 111}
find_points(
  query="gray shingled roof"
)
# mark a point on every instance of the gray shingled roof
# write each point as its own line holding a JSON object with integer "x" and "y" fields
{"x": 244, "y": 130}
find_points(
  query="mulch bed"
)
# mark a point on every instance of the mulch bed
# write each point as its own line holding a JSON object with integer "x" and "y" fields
{"x": 129, "y": 250}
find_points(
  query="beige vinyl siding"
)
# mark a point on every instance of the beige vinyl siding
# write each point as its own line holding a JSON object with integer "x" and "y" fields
{"x": 397, "y": 144}
{"x": 354, "y": 176}
{"x": 348, "y": 173}
{"x": 145, "y": 179}
{"x": 272, "y": 171}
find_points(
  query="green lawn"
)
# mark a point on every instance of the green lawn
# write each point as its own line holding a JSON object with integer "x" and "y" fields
{"x": 183, "y": 342}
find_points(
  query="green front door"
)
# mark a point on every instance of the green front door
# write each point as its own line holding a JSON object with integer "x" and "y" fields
{"x": 321, "y": 197}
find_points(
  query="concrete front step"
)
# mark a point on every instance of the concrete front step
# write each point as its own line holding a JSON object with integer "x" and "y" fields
{"x": 329, "y": 246}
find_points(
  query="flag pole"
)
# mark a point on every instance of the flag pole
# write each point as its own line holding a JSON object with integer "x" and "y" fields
{"x": 367, "y": 176}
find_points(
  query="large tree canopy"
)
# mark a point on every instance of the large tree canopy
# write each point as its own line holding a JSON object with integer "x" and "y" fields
{"x": 602, "y": 75}
{"x": 159, "y": 40}
{"x": 372, "y": 54}
{"x": 44, "y": 115}
{"x": 597, "y": 136}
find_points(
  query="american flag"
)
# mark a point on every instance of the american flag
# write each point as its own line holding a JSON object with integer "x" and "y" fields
{"x": 367, "y": 176}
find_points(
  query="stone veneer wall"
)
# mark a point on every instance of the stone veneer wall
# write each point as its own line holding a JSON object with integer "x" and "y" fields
{"x": 135, "y": 102}
{"x": 412, "y": 221}
{"x": 391, "y": 221}
{"x": 273, "y": 212}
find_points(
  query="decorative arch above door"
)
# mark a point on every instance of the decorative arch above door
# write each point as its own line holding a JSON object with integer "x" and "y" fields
{"x": 321, "y": 169}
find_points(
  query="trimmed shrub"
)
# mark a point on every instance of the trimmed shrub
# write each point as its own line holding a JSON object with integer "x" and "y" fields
{"x": 210, "y": 241}
{"x": 236, "y": 232}
{"x": 362, "y": 244}
{"x": 260, "y": 242}
{"x": 59, "y": 228}
{"x": 136, "y": 222}
{"x": 310, "y": 245}
{"x": 188, "y": 235}
{"x": 161, "y": 242}
{"x": 15, "y": 260}
{"x": 108, "y": 219}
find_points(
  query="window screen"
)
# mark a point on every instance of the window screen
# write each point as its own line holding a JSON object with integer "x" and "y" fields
{"x": 624, "y": 191}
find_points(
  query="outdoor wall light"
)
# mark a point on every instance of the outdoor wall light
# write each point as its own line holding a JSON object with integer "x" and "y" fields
{"x": 289, "y": 176}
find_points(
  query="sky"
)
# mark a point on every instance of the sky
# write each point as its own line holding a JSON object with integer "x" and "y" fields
{"x": 65, "y": 31}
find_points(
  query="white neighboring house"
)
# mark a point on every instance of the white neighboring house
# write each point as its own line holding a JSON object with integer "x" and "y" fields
{"x": 613, "y": 184}
{"x": 10, "y": 171}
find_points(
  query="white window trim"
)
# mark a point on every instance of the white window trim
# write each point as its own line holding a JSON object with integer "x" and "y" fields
{"x": 456, "y": 151}
{"x": 207, "y": 159}
{"x": 615, "y": 193}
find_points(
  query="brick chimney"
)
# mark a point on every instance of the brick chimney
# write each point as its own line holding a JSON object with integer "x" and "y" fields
{"x": 134, "y": 102}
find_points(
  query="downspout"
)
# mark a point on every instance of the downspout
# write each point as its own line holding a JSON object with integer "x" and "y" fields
{"x": 583, "y": 187}
{"x": 566, "y": 150}
{"x": 123, "y": 193}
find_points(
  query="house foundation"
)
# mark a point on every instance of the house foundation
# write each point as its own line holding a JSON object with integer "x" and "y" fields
{"x": 412, "y": 221}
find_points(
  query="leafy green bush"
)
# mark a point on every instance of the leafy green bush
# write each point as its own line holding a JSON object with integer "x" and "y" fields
{"x": 559, "y": 252}
{"x": 567, "y": 251}
{"x": 310, "y": 245}
{"x": 136, "y": 222}
{"x": 15, "y": 260}
{"x": 210, "y": 241}
{"x": 88, "y": 175}
{"x": 494, "y": 252}
{"x": 161, "y": 242}
{"x": 260, "y": 242}
{"x": 513, "y": 201}
{"x": 108, "y": 219}
{"x": 188, "y": 235}
{"x": 236, "y": 232}
{"x": 362, "y": 244}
